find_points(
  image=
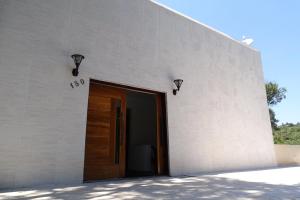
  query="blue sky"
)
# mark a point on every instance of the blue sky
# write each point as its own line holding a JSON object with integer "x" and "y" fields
{"x": 275, "y": 27}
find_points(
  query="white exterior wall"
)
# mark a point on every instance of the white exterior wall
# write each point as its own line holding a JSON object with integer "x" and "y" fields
{"x": 218, "y": 121}
{"x": 287, "y": 155}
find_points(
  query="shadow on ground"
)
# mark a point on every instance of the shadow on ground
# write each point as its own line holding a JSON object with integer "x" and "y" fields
{"x": 202, "y": 187}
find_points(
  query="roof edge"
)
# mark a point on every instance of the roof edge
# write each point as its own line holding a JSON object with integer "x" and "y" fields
{"x": 202, "y": 24}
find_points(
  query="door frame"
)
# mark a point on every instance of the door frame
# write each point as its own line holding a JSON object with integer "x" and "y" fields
{"x": 164, "y": 113}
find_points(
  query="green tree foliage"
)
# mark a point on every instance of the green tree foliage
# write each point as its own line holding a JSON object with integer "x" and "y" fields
{"x": 287, "y": 134}
{"x": 275, "y": 95}
{"x": 273, "y": 119}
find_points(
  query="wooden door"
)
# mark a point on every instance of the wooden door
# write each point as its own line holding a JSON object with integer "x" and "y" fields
{"x": 105, "y": 139}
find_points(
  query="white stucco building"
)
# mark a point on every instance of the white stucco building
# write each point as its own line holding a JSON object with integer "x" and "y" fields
{"x": 218, "y": 121}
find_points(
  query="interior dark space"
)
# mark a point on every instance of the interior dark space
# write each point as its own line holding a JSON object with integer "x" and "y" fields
{"x": 141, "y": 132}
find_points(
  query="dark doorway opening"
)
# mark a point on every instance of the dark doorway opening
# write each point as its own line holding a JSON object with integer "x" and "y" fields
{"x": 141, "y": 130}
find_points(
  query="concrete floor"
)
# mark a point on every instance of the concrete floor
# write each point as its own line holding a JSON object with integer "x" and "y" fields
{"x": 283, "y": 183}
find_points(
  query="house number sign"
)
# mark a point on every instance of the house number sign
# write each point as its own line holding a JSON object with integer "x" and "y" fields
{"x": 77, "y": 83}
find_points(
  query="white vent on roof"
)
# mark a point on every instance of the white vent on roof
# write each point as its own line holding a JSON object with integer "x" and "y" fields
{"x": 247, "y": 41}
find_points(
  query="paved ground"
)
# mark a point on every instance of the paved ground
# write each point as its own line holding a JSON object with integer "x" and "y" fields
{"x": 271, "y": 184}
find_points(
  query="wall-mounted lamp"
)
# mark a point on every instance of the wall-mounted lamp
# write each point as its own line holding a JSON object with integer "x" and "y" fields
{"x": 178, "y": 83}
{"x": 77, "y": 60}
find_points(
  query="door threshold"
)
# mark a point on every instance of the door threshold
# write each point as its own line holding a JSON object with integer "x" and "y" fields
{"x": 125, "y": 179}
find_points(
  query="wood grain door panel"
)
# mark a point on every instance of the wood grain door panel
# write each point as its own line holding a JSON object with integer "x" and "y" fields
{"x": 104, "y": 152}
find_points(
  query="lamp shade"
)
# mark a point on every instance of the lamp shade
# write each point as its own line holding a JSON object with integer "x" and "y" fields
{"x": 77, "y": 59}
{"x": 178, "y": 83}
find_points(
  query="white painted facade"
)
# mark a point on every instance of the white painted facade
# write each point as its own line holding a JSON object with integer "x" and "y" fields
{"x": 218, "y": 121}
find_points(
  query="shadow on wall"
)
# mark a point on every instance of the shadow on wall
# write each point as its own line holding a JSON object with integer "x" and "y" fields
{"x": 203, "y": 187}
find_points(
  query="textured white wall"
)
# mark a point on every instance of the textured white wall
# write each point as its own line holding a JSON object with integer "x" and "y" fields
{"x": 218, "y": 121}
{"x": 287, "y": 155}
